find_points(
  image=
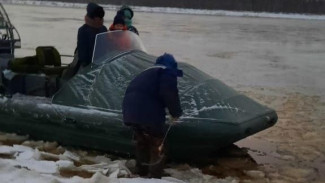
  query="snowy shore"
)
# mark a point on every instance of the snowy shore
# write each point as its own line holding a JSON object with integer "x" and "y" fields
{"x": 278, "y": 62}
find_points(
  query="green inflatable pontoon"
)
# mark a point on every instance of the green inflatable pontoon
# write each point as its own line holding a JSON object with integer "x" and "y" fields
{"x": 86, "y": 110}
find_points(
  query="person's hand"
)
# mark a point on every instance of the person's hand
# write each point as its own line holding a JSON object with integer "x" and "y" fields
{"x": 173, "y": 120}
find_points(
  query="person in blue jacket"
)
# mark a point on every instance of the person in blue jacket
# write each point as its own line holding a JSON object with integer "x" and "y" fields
{"x": 144, "y": 108}
{"x": 87, "y": 33}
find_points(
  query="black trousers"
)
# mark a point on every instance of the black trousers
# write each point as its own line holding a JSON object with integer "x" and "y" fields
{"x": 150, "y": 159}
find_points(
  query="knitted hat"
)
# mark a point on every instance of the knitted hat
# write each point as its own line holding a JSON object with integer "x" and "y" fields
{"x": 118, "y": 19}
{"x": 169, "y": 61}
{"x": 127, "y": 19}
{"x": 94, "y": 10}
{"x": 128, "y": 12}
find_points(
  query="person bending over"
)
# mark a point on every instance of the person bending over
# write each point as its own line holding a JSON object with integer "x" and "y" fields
{"x": 144, "y": 104}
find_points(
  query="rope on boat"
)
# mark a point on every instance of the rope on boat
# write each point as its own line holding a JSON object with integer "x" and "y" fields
{"x": 161, "y": 156}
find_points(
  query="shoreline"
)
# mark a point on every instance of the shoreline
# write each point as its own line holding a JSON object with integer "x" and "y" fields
{"x": 288, "y": 6}
{"x": 174, "y": 10}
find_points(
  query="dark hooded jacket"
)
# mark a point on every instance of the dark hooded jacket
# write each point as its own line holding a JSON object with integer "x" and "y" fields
{"x": 87, "y": 35}
{"x": 149, "y": 94}
{"x": 86, "y": 42}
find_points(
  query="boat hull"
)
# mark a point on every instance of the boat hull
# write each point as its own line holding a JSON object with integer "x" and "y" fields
{"x": 191, "y": 139}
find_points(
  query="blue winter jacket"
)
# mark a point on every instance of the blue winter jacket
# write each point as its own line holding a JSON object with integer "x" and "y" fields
{"x": 146, "y": 98}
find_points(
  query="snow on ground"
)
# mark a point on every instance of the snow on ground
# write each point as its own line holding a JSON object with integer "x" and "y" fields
{"x": 22, "y": 160}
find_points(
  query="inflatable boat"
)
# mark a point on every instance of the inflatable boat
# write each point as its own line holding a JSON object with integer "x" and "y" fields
{"x": 85, "y": 110}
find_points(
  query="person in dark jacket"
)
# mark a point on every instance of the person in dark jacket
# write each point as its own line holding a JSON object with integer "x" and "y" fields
{"x": 127, "y": 14}
{"x": 86, "y": 40}
{"x": 87, "y": 33}
{"x": 144, "y": 104}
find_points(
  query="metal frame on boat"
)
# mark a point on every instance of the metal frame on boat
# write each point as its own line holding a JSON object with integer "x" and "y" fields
{"x": 9, "y": 36}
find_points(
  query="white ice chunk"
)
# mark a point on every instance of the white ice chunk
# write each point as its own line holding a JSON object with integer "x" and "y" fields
{"x": 7, "y": 150}
{"x": 69, "y": 155}
{"x": 26, "y": 155}
{"x": 255, "y": 174}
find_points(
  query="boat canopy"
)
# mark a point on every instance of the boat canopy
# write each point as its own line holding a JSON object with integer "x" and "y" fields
{"x": 112, "y": 44}
{"x": 102, "y": 84}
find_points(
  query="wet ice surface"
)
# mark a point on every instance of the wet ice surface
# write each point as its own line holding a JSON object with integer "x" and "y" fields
{"x": 293, "y": 150}
{"x": 278, "y": 62}
{"x": 237, "y": 50}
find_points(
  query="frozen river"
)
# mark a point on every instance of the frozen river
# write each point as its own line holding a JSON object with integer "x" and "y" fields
{"x": 279, "y": 62}
{"x": 239, "y": 51}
